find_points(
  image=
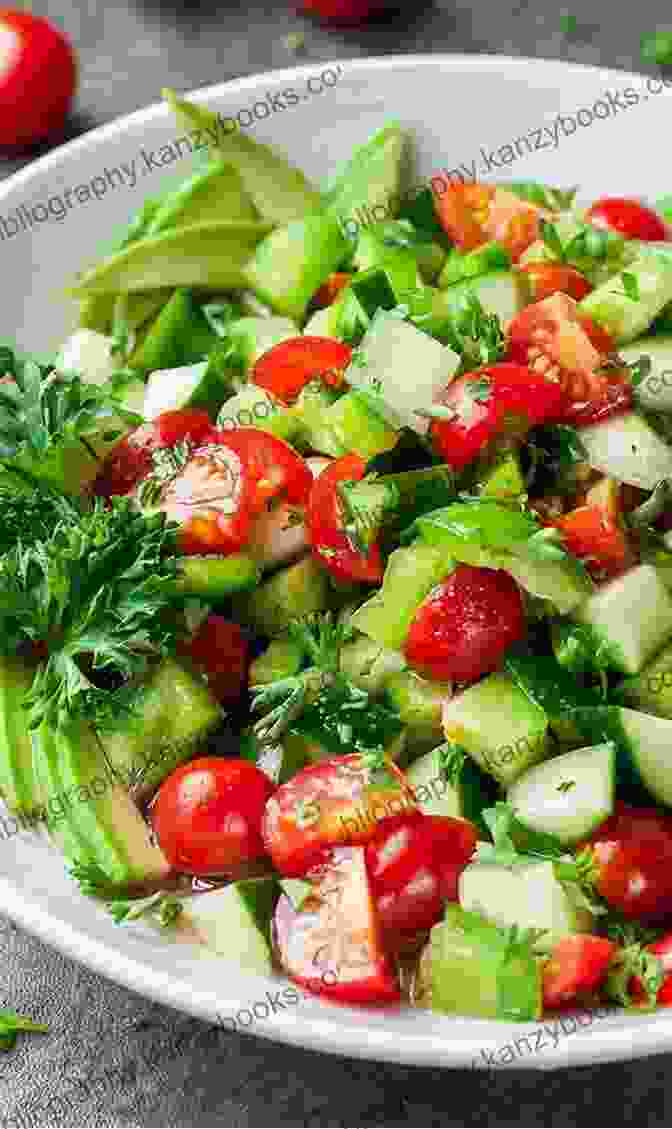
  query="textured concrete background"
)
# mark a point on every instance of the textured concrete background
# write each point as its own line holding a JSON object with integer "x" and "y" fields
{"x": 112, "y": 1058}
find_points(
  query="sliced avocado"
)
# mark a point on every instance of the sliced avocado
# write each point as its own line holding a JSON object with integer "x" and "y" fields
{"x": 57, "y": 798}
{"x": 180, "y": 335}
{"x": 631, "y": 617}
{"x": 410, "y": 575}
{"x": 372, "y": 178}
{"x": 18, "y": 785}
{"x": 498, "y": 725}
{"x": 651, "y": 689}
{"x": 291, "y": 593}
{"x": 235, "y": 921}
{"x": 97, "y": 310}
{"x": 213, "y": 193}
{"x": 282, "y": 658}
{"x": 175, "y": 715}
{"x": 476, "y": 969}
{"x": 291, "y": 263}
{"x": 418, "y": 703}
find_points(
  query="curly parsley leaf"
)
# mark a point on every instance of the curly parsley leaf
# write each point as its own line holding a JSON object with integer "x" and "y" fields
{"x": 476, "y": 335}
{"x": 167, "y": 464}
{"x": 11, "y": 1024}
{"x": 161, "y": 908}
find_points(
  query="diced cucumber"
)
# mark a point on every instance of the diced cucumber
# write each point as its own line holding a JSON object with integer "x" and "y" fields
{"x": 498, "y": 725}
{"x": 255, "y": 407}
{"x": 654, "y": 392}
{"x": 177, "y": 389}
{"x": 418, "y": 703}
{"x": 651, "y": 689}
{"x": 529, "y": 896}
{"x": 649, "y": 741}
{"x": 369, "y": 666}
{"x": 291, "y": 263}
{"x": 626, "y": 313}
{"x": 476, "y": 970}
{"x": 504, "y": 478}
{"x": 470, "y": 264}
{"x": 215, "y": 578}
{"x": 282, "y": 658}
{"x": 552, "y": 688}
{"x": 403, "y": 366}
{"x": 503, "y": 293}
{"x": 323, "y": 323}
{"x": 291, "y": 593}
{"x": 625, "y": 447}
{"x": 462, "y": 798}
{"x": 373, "y": 252}
{"x": 18, "y": 785}
{"x": 176, "y": 713}
{"x": 559, "y": 582}
{"x": 567, "y": 796}
{"x": 632, "y": 616}
{"x": 256, "y": 335}
{"x": 410, "y": 575}
{"x": 357, "y": 423}
{"x": 235, "y": 921}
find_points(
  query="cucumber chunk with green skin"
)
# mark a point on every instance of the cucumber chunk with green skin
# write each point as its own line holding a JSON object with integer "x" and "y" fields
{"x": 107, "y": 823}
{"x": 256, "y": 335}
{"x": 477, "y": 970}
{"x": 418, "y": 703}
{"x": 631, "y": 616}
{"x": 235, "y": 921}
{"x": 627, "y": 448}
{"x": 503, "y": 293}
{"x": 280, "y": 192}
{"x": 291, "y": 263}
{"x": 211, "y": 256}
{"x": 184, "y": 388}
{"x": 378, "y": 239}
{"x": 291, "y": 593}
{"x": 647, "y": 743}
{"x": 283, "y": 658}
{"x": 180, "y": 335}
{"x": 651, "y": 689}
{"x": 369, "y": 666}
{"x": 311, "y": 413}
{"x": 372, "y": 177}
{"x": 470, "y": 264}
{"x": 175, "y": 715}
{"x": 464, "y": 796}
{"x": 503, "y": 479}
{"x": 569, "y": 795}
{"x": 18, "y": 785}
{"x": 410, "y": 575}
{"x": 357, "y": 424}
{"x": 551, "y": 687}
{"x": 654, "y": 392}
{"x": 497, "y": 724}
{"x": 626, "y": 313}
{"x": 528, "y": 896}
{"x": 254, "y": 407}
{"x": 372, "y": 252}
{"x": 216, "y": 578}
{"x": 213, "y": 193}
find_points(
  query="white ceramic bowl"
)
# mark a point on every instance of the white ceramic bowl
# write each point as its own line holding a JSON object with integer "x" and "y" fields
{"x": 461, "y": 110}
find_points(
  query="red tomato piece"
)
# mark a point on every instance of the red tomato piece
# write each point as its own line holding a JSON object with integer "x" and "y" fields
{"x": 599, "y": 538}
{"x": 271, "y": 465}
{"x": 39, "y": 76}
{"x": 207, "y": 815}
{"x": 191, "y": 424}
{"x": 325, "y": 523}
{"x": 211, "y": 499}
{"x": 552, "y": 278}
{"x": 463, "y": 627}
{"x": 220, "y": 650}
{"x": 346, "y": 13}
{"x": 333, "y": 944}
{"x": 286, "y": 368}
{"x": 131, "y": 459}
{"x": 472, "y": 214}
{"x": 328, "y": 803}
{"x": 330, "y": 290}
{"x": 576, "y": 966}
{"x": 628, "y": 217}
{"x": 502, "y": 399}
{"x": 631, "y": 862}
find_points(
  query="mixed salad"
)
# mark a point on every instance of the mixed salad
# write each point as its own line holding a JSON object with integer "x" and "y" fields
{"x": 336, "y": 583}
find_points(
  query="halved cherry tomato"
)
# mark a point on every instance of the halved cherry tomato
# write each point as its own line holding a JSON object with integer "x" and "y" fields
{"x": 502, "y": 399}
{"x": 631, "y": 862}
{"x": 286, "y": 368}
{"x": 472, "y": 214}
{"x": 324, "y": 519}
{"x": 328, "y": 803}
{"x": 332, "y": 946}
{"x": 220, "y": 650}
{"x": 465, "y": 624}
{"x": 576, "y": 966}
{"x": 39, "y": 76}
{"x": 594, "y": 535}
{"x": 330, "y": 289}
{"x": 629, "y": 217}
{"x": 131, "y": 459}
{"x": 555, "y": 340}
{"x": 273, "y": 468}
{"x": 207, "y": 815}
{"x": 211, "y": 499}
{"x": 552, "y": 278}
{"x": 414, "y": 863}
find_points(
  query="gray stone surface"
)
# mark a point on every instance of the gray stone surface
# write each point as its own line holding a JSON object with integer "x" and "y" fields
{"x": 112, "y": 1058}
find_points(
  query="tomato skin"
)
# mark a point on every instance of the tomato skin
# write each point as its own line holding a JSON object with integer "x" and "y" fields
{"x": 272, "y": 466}
{"x": 326, "y": 804}
{"x": 631, "y": 854}
{"x": 517, "y": 399}
{"x": 576, "y": 966}
{"x": 628, "y": 217}
{"x": 330, "y": 289}
{"x": 38, "y": 81}
{"x": 131, "y": 459}
{"x": 472, "y": 214}
{"x": 207, "y": 815}
{"x": 173, "y": 427}
{"x": 332, "y": 946}
{"x": 550, "y": 278}
{"x": 344, "y": 13}
{"x": 463, "y": 627}
{"x": 591, "y": 532}
{"x": 220, "y": 650}
{"x": 324, "y": 521}
{"x": 414, "y": 863}
{"x": 286, "y": 368}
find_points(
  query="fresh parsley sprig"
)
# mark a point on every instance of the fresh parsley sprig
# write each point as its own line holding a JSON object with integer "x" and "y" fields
{"x": 11, "y": 1024}
{"x": 167, "y": 464}
{"x": 161, "y": 908}
{"x": 476, "y": 335}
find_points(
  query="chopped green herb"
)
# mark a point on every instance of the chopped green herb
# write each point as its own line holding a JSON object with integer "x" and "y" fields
{"x": 167, "y": 462}
{"x": 657, "y": 48}
{"x": 566, "y": 786}
{"x": 163, "y": 909}
{"x": 11, "y": 1024}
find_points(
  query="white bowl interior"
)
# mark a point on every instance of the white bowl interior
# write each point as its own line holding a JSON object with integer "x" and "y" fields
{"x": 458, "y": 108}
